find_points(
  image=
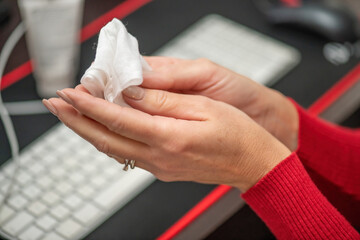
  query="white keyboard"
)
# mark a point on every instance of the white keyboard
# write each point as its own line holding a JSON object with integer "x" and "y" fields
{"x": 234, "y": 46}
{"x": 65, "y": 188}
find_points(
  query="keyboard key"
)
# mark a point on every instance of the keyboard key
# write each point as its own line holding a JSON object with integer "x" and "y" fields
{"x": 53, "y": 236}
{"x": 73, "y": 201}
{"x": 69, "y": 229}
{"x": 89, "y": 168}
{"x": 70, "y": 163}
{"x": 2, "y": 177}
{"x": 37, "y": 208}
{"x": 58, "y": 172}
{"x": 23, "y": 177}
{"x": 17, "y": 223}
{"x": 60, "y": 212}
{"x": 32, "y": 191}
{"x": 17, "y": 201}
{"x": 5, "y": 213}
{"x": 36, "y": 168}
{"x": 46, "y": 222}
{"x": 50, "y": 160}
{"x": 44, "y": 181}
{"x": 111, "y": 171}
{"x": 32, "y": 233}
{"x": 38, "y": 150}
{"x": 50, "y": 198}
{"x": 26, "y": 158}
{"x": 76, "y": 177}
{"x": 87, "y": 214}
{"x": 112, "y": 193}
{"x": 8, "y": 169}
{"x": 98, "y": 181}
{"x": 63, "y": 188}
{"x": 4, "y": 187}
{"x": 86, "y": 191}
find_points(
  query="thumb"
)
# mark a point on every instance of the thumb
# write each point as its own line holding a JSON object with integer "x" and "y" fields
{"x": 168, "y": 104}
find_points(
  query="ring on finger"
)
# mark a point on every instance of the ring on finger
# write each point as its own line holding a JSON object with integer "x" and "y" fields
{"x": 128, "y": 163}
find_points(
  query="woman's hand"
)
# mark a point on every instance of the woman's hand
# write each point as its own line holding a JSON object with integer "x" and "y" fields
{"x": 174, "y": 136}
{"x": 267, "y": 107}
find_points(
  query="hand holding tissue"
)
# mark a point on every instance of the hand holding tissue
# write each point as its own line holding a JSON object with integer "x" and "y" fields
{"x": 117, "y": 65}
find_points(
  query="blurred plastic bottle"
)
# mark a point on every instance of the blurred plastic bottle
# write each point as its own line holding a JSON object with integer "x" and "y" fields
{"x": 53, "y": 41}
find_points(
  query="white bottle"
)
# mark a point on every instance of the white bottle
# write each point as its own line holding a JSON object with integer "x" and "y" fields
{"x": 53, "y": 41}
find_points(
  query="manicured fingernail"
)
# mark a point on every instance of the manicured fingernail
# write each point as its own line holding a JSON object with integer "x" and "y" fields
{"x": 134, "y": 92}
{"x": 64, "y": 97}
{"x": 49, "y": 106}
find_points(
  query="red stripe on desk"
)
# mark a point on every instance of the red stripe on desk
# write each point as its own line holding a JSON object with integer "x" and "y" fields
{"x": 195, "y": 212}
{"x": 120, "y": 11}
{"x": 16, "y": 74}
{"x": 292, "y": 3}
{"x": 318, "y": 107}
{"x": 335, "y": 92}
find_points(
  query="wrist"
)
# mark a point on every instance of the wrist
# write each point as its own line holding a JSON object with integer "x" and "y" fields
{"x": 281, "y": 119}
{"x": 268, "y": 155}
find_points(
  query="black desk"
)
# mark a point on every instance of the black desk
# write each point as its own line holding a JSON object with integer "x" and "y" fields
{"x": 160, "y": 205}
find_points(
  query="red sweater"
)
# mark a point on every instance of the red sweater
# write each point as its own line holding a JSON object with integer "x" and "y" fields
{"x": 299, "y": 198}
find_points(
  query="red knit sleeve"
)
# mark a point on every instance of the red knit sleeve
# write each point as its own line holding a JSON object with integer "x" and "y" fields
{"x": 331, "y": 151}
{"x": 293, "y": 208}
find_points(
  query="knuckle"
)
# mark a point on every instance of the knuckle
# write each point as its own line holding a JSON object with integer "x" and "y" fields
{"x": 163, "y": 166}
{"x": 68, "y": 121}
{"x": 82, "y": 104}
{"x": 208, "y": 67}
{"x": 116, "y": 125}
{"x": 204, "y": 62}
{"x": 163, "y": 128}
{"x": 102, "y": 145}
{"x": 206, "y": 104}
{"x": 161, "y": 99}
{"x": 166, "y": 169}
{"x": 175, "y": 147}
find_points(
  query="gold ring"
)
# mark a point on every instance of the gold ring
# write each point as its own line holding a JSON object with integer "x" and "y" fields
{"x": 127, "y": 163}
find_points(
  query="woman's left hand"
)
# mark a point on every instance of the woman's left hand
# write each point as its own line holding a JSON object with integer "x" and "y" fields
{"x": 174, "y": 136}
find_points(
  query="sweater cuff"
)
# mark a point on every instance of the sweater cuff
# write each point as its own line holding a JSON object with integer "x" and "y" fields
{"x": 318, "y": 137}
{"x": 293, "y": 208}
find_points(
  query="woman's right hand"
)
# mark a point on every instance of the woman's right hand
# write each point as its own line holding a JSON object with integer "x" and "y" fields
{"x": 267, "y": 107}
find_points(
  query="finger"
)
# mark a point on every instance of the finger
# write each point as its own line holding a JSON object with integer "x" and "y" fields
{"x": 157, "y": 62}
{"x": 125, "y": 121}
{"x": 81, "y": 87}
{"x": 104, "y": 140}
{"x": 179, "y": 74}
{"x": 163, "y": 103}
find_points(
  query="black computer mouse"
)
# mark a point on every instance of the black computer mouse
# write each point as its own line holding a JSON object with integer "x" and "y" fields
{"x": 335, "y": 24}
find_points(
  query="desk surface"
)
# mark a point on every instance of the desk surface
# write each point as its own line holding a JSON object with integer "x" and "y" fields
{"x": 160, "y": 205}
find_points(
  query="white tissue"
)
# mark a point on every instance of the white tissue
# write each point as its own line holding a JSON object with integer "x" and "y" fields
{"x": 117, "y": 65}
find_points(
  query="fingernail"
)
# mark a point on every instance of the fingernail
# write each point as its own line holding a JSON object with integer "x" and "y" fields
{"x": 49, "y": 106}
{"x": 134, "y": 92}
{"x": 64, "y": 97}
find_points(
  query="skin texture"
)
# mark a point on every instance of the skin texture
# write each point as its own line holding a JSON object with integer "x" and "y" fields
{"x": 185, "y": 124}
{"x": 267, "y": 107}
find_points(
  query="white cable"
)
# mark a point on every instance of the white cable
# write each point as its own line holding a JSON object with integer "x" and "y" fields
{"x": 8, "y": 125}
